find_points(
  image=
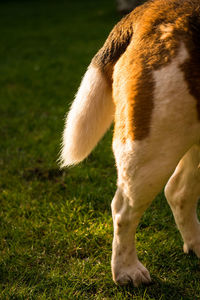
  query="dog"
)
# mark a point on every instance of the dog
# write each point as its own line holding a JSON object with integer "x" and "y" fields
{"x": 146, "y": 78}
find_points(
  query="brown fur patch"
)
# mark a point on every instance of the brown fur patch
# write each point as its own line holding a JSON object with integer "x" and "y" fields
{"x": 133, "y": 86}
{"x": 116, "y": 43}
{"x": 114, "y": 47}
{"x": 191, "y": 67}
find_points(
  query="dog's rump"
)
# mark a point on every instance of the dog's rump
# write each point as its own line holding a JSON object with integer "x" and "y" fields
{"x": 165, "y": 33}
{"x": 120, "y": 83}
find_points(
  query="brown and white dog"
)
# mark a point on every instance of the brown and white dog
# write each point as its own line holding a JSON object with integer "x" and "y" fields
{"x": 147, "y": 78}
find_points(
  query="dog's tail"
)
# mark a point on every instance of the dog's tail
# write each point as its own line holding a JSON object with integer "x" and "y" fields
{"x": 90, "y": 116}
{"x": 92, "y": 111}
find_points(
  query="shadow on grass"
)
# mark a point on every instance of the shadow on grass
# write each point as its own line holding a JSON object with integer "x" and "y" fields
{"x": 43, "y": 174}
{"x": 156, "y": 290}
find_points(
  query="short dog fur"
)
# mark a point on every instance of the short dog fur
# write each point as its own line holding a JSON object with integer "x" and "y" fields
{"x": 146, "y": 78}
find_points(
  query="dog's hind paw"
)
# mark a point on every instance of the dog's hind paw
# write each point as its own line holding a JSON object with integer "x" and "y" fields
{"x": 194, "y": 247}
{"x": 136, "y": 274}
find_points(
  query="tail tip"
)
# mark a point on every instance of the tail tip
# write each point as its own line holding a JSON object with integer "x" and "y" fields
{"x": 67, "y": 159}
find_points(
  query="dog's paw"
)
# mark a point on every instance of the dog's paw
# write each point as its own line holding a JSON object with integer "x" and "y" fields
{"x": 195, "y": 247}
{"x": 136, "y": 274}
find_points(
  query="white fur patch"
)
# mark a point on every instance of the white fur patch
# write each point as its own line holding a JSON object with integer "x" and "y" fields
{"x": 166, "y": 30}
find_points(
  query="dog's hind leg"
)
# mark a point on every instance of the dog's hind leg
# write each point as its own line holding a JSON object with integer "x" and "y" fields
{"x": 182, "y": 192}
{"x": 125, "y": 265}
{"x": 142, "y": 173}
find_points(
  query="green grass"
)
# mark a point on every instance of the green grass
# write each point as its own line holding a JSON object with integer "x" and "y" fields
{"x": 56, "y": 226}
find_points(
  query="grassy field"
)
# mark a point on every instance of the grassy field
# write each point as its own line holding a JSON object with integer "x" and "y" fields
{"x": 56, "y": 226}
